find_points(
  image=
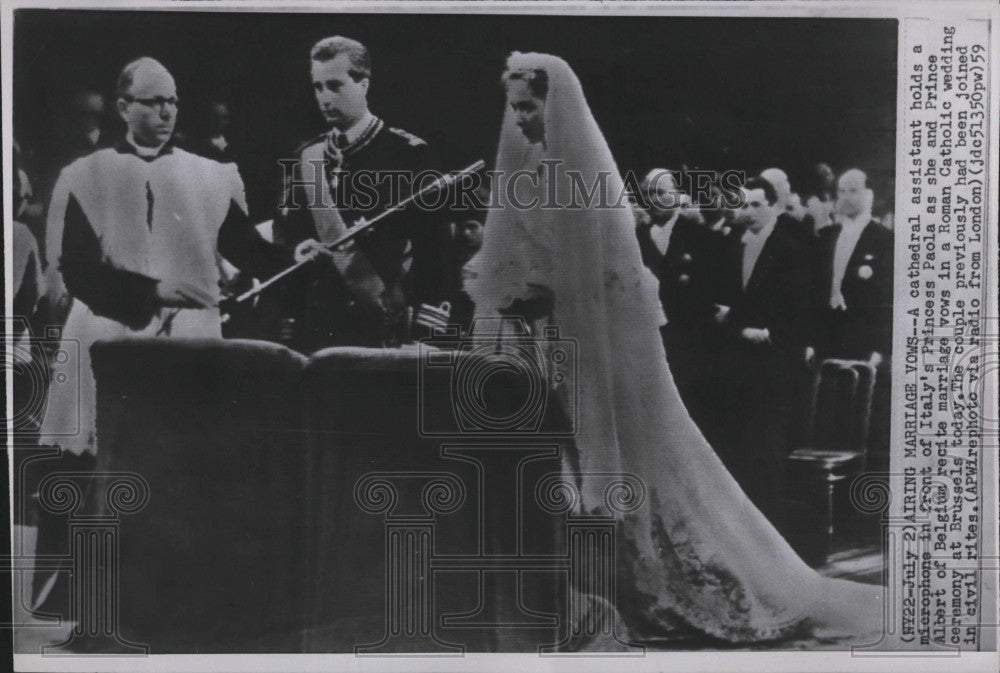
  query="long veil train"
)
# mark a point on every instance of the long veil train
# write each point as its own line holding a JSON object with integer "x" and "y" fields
{"x": 698, "y": 550}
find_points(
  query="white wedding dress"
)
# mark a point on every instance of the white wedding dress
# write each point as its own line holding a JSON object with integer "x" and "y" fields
{"x": 697, "y": 551}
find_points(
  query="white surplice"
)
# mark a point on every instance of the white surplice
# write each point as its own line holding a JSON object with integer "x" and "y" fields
{"x": 158, "y": 216}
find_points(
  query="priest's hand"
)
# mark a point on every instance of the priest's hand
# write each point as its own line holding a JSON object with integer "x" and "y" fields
{"x": 309, "y": 250}
{"x": 179, "y": 293}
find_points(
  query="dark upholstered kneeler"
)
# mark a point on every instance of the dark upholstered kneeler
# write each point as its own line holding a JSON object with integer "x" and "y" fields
{"x": 214, "y": 562}
{"x": 363, "y": 411}
{"x": 254, "y": 538}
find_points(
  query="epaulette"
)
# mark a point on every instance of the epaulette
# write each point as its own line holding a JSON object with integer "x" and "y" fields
{"x": 414, "y": 141}
{"x": 312, "y": 141}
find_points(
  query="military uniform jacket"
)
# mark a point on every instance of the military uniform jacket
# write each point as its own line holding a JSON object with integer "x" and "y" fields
{"x": 409, "y": 251}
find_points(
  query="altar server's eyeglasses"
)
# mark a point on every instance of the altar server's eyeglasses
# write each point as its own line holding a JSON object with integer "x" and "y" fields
{"x": 158, "y": 102}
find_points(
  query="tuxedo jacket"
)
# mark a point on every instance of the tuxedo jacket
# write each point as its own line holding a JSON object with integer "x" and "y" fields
{"x": 777, "y": 294}
{"x": 787, "y": 224}
{"x": 687, "y": 272}
{"x": 866, "y": 324}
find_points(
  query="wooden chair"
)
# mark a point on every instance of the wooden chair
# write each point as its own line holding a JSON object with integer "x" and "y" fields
{"x": 836, "y": 444}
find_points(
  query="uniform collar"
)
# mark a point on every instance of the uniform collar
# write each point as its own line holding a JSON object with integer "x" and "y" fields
{"x": 360, "y": 133}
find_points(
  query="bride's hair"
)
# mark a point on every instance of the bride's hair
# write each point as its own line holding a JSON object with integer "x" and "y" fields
{"x": 536, "y": 79}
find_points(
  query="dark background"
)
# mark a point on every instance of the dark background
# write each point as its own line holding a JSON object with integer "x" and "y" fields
{"x": 702, "y": 92}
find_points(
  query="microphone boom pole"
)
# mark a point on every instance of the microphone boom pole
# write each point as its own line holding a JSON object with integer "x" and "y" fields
{"x": 363, "y": 224}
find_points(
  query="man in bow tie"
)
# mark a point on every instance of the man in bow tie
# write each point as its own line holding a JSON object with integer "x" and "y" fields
{"x": 854, "y": 268}
{"x": 854, "y": 285}
{"x": 763, "y": 307}
{"x": 683, "y": 253}
{"x": 395, "y": 277}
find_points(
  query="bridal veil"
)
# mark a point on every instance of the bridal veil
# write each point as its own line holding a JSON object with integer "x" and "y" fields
{"x": 697, "y": 550}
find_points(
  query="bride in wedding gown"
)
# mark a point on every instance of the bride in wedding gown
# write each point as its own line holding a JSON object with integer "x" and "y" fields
{"x": 698, "y": 553}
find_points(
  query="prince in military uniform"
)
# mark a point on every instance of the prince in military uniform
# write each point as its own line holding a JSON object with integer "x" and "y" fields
{"x": 372, "y": 292}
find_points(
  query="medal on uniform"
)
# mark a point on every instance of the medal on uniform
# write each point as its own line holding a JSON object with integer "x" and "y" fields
{"x": 336, "y": 141}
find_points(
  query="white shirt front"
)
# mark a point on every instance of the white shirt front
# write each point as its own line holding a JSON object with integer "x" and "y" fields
{"x": 753, "y": 244}
{"x": 850, "y": 232}
{"x": 660, "y": 234}
{"x": 220, "y": 142}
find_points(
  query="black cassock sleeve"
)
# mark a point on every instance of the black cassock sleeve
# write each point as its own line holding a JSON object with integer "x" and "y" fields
{"x": 247, "y": 250}
{"x": 125, "y": 296}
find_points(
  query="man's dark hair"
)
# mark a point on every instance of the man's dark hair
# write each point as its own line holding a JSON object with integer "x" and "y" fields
{"x": 820, "y": 182}
{"x": 330, "y": 48}
{"x": 537, "y": 80}
{"x": 760, "y": 183}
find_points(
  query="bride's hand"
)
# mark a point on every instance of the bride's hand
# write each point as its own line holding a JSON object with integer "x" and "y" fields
{"x": 539, "y": 303}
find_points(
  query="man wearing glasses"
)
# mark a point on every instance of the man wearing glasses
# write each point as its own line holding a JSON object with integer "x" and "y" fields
{"x": 135, "y": 232}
